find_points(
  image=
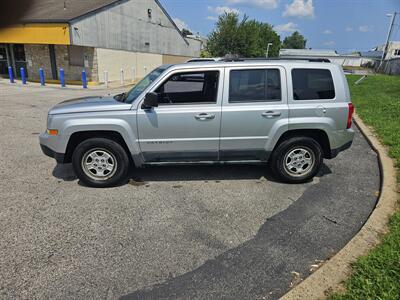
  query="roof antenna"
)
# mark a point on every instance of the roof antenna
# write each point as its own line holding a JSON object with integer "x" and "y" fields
{"x": 65, "y": 5}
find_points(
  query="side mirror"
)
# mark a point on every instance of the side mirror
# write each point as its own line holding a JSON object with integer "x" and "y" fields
{"x": 150, "y": 101}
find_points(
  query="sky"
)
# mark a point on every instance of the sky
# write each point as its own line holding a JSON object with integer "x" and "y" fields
{"x": 341, "y": 25}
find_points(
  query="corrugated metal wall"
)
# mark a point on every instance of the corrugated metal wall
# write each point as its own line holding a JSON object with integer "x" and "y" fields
{"x": 390, "y": 66}
{"x": 128, "y": 26}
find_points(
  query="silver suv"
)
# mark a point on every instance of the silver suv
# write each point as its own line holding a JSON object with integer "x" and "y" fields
{"x": 289, "y": 114}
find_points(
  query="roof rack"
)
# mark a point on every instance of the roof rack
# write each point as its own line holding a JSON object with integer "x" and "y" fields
{"x": 274, "y": 59}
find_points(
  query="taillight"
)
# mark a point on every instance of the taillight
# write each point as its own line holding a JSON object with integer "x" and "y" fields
{"x": 350, "y": 115}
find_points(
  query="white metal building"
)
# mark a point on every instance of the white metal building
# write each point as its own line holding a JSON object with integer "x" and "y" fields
{"x": 95, "y": 35}
{"x": 354, "y": 60}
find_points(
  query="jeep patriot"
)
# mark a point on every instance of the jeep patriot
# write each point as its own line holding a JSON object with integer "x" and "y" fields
{"x": 287, "y": 114}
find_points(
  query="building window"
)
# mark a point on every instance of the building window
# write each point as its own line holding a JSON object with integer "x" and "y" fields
{"x": 312, "y": 84}
{"x": 76, "y": 56}
{"x": 397, "y": 52}
{"x": 19, "y": 52}
{"x": 3, "y": 54}
{"x": 262, "y": 85}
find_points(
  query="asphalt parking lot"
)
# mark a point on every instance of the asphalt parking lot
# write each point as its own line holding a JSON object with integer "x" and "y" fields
{"x": 205, "y": 232}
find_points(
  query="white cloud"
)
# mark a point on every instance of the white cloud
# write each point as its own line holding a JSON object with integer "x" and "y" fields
{"x": 300, "y": 8}
{"x": 288, "y": 27}
{"x": 328, "y": 31}
{"x": 219, "y": 10}
{"x": 265, "y": 4}
{"x": 348, "y": 29}
{"x": 329, "y": 43}
{"x": 365, "y": 28}
{"x": 212, "y": 18}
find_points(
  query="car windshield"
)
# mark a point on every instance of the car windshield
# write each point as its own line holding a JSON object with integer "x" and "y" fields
{"x": 132, "y": 95}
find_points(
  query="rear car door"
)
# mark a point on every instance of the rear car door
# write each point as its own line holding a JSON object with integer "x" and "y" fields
{"x": 319, "y": 99}
{"x": 254, "y": 111}
{"x": 186, "y": 124}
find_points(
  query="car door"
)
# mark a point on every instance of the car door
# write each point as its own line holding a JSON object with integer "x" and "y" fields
{"x": 254, "y": 112}
{"x": 186, "y": 124}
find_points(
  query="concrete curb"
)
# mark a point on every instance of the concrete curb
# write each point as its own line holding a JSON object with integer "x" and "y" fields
{"x": 335, "y": 271}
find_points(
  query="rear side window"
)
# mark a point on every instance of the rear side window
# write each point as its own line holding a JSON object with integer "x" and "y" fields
{"x": 259, "y": 85}
{"x": 312, "y": 84}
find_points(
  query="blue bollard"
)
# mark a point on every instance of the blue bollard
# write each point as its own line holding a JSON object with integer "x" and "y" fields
{"x": 84, "y": 80}
{"x": 41, "y": 75}
{"x": 11, "y": 74}
{"x": 62, "y": 77}
{"x": 23, "y": 75}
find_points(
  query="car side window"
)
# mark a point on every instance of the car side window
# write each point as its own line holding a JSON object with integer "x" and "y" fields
{"x": 312, "y": 84}
{"x": 189, "y": 88}
{"x": 257, "y": 85}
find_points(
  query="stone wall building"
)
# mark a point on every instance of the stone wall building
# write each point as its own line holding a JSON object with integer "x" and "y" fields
{"x": 96, "y": 36}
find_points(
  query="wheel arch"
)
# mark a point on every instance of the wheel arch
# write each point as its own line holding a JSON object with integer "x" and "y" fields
{"x": 77, "y": 137}
{"x": 317, "y": 134}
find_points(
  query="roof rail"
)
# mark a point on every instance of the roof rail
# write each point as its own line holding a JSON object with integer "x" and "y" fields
{"x": 273, "y": 59}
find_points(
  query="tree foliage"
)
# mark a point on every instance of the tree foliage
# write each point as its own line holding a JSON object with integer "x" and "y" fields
{"x": 245, "y": 38}
{"x": 294, "y": 41}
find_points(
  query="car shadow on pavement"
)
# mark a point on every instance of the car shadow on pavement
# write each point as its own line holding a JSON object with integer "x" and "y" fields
{"x": 64, "y": 172}
{"x": 190, "y": 173}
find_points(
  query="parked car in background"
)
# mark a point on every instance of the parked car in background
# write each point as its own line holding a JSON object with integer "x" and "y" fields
{"x": 289, "y": 114}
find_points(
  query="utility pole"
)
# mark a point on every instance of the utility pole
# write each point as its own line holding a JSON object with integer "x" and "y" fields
{"x": 388, "y": 38}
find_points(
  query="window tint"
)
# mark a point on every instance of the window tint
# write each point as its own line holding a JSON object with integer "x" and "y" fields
{"x": 312, "y": 84}
{"x": 186, "y": 88}
{"x": 254, "y": 85}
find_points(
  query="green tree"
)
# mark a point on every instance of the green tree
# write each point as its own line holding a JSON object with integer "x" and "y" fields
{"x": 245, "y": 38}
{"x": 205, "y": 54}
{"x": 294, "y": 41}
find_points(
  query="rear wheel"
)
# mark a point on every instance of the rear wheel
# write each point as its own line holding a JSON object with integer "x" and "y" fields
{"x": 297, "y": 159}
{"x": 100, "y": 162}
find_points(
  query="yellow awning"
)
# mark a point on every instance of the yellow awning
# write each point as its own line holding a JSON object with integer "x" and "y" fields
{"x": 57, "y": 34}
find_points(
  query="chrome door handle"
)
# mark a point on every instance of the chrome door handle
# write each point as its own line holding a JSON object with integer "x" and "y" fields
{"x": 204, "y": 116}
{"x": 271, "y": 114}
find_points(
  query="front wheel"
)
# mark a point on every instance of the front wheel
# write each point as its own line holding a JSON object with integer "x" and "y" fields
{"x": 100, "y": 162}
{"x": 297, "y": 160}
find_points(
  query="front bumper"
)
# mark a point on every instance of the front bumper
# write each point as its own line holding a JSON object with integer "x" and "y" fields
{"x": 59, "y": 157}
{"x": 47, "y": 144}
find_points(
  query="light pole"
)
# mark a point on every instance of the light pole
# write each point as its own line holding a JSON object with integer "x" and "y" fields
{"x": 268, "y": 45}
{"x": 385, "y": 49}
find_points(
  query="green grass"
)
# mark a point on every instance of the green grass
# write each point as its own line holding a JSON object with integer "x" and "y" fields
{"x": 377, "y": 275}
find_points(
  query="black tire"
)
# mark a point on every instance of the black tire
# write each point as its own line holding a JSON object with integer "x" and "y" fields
{"x": 107, "y": 151}
{"x": 282, "y": 156}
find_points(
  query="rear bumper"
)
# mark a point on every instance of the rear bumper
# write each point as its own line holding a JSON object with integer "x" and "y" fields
{"x": 59, "y": 157}
{"x": 340, "y": 140}
{"x": 335, "y": 152}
